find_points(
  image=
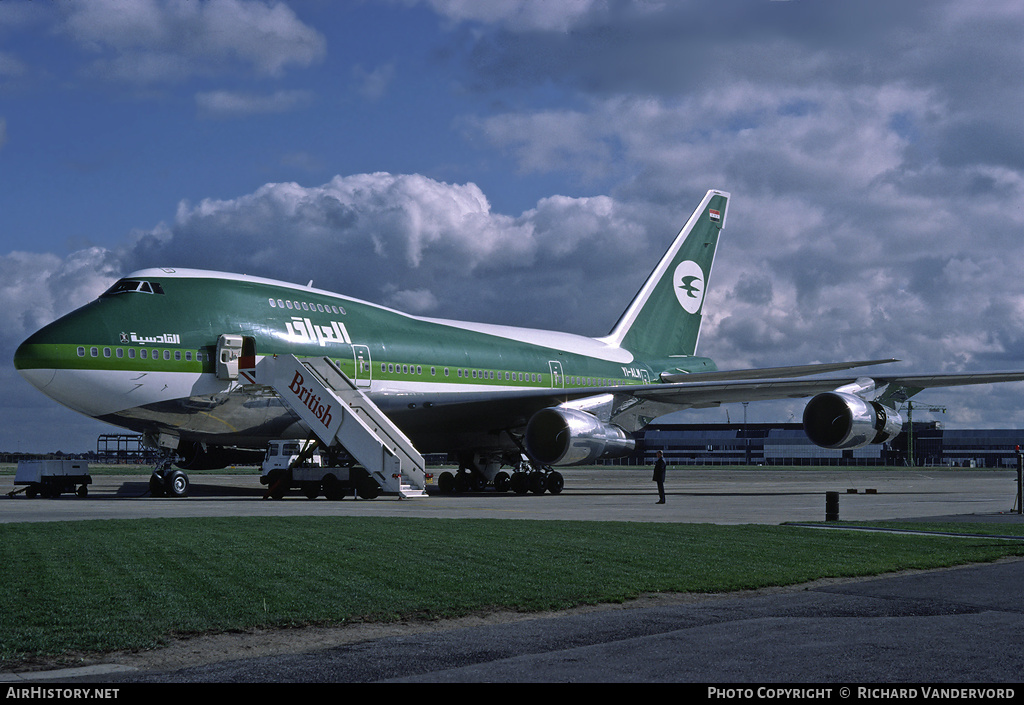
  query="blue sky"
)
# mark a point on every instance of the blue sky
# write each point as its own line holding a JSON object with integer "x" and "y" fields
{"x": 526, "y": 162}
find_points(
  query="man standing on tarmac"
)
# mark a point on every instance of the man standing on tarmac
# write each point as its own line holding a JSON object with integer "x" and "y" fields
{"x": 659, "y": 477}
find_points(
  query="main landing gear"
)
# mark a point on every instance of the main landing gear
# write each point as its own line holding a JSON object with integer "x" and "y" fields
{"x": 524, "y": 479}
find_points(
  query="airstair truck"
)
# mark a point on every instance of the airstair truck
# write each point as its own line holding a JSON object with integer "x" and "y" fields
{"x": 51, "y": 478}
{"x": 293, "y": 464}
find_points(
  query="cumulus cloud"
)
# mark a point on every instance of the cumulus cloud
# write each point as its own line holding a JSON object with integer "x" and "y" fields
{"x": 417, "y": 244}
{"x": 228, "y": 104}
{"x": 171, "y": 40}
{"x": 522, "y": 15}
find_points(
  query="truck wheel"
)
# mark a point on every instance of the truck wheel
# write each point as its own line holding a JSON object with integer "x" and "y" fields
{"x": 446, "y": 483}
{"x": 333, "y": 489}
{"x": 369, "y": 489}
{"x": 156, "y": 486}
{"x": 277, "y": 484}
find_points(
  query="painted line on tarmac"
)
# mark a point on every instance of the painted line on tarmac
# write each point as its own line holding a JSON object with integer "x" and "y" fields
{"x": 919, "y": 532}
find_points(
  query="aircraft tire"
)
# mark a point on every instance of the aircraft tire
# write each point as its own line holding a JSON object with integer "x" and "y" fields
{"x": 502, "y": 482}
{"x": 156, "y": 486}
{"x": 520, "y": 483}
{"x": 537, "y": 482}
{"x": 555, "y": 482}
{"x": 177, "y": 484}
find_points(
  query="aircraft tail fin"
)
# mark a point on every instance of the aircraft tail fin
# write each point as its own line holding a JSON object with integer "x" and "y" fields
{"x": 664, "y": 317}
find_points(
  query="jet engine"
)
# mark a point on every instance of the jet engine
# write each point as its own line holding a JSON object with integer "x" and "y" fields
{"x": 561, "y": 436}
{"x": 840, "y": 420}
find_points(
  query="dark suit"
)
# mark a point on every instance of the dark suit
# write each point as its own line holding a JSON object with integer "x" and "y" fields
{"x": 659, "y": 477}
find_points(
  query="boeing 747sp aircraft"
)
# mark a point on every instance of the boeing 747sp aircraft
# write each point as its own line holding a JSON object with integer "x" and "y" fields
{"x": 178, "y": 355}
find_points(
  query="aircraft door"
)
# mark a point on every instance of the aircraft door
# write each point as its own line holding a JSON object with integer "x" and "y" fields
{"x": 557, "y": 378}
{"x": 229, "y": 349}
{"x": 236, "y": 357}
{"x": 363, "y": 368}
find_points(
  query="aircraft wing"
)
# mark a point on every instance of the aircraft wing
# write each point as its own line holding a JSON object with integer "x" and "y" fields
{"x": 770, "y": 372}
{"x": 897, "y": 388}
{"x": 634, "y": 406}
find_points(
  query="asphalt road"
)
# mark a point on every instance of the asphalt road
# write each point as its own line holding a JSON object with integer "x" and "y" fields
{"x": 950, "y": 626}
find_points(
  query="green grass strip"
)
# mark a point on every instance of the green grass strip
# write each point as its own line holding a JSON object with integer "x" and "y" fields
{"x": 98, "y": 586}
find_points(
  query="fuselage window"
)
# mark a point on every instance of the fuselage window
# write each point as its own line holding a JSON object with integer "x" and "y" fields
{"x": 93, "y": 352}
{"x": 81, "y": 351}
{"x": 305, "y": 306}
{"x": 177, "y": 355}
{"x": 143, "y": 353}
{"x": 188, "y": 356}
{"x": 273, "y": 304}
{"x": 288, "y": 304}
{"x": 433, "y": 371}
{"x": 119, "y": 352}
{"x": 445, "y": 371}
{"x": 131, "y": 353}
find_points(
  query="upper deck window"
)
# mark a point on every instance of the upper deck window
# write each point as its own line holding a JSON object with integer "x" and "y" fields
{"x": 126, "y": 286}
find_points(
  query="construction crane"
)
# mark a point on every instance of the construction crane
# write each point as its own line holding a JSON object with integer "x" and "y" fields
{"x": 911, "y": 458}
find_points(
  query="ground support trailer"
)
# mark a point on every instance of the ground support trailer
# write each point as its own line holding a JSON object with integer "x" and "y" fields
{"x": 51, "y": 478}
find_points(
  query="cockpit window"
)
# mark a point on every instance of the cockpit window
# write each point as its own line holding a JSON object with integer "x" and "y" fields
{"x": 125, "y": 286}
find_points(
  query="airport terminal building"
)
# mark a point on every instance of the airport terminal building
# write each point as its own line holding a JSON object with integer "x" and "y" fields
{"x": 786, "y": 444}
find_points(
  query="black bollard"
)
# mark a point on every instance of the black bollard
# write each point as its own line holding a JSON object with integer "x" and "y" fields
{"x": 831, "y": 506}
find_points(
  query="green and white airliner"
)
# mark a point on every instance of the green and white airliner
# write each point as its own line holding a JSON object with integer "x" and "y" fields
{"x": 144, "y": 356}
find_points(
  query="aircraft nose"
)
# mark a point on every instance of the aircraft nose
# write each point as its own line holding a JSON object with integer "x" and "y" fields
{"x": 35, "y": 362}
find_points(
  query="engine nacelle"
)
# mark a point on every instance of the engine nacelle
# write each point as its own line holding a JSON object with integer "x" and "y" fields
{"x": 839, "y": 420}
{"x": 560, "y": 436}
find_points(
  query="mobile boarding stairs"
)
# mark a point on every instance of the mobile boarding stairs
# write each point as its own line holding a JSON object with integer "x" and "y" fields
{"x": 339, "y": 413}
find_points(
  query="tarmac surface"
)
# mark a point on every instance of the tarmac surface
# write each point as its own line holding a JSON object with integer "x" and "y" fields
{"x": 953, "y": 626}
